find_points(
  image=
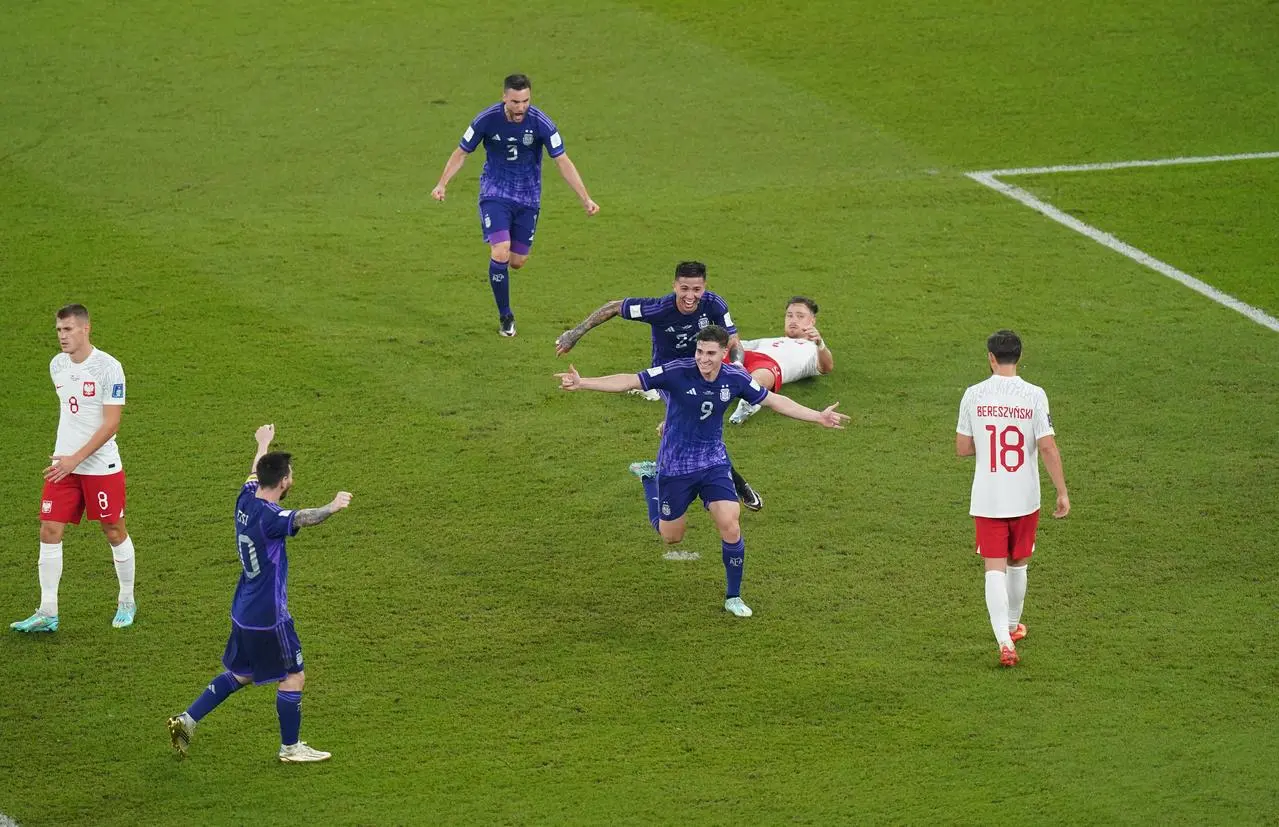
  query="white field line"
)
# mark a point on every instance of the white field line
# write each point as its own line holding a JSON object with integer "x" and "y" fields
{"x": 990, "y": 178}
{"x": 1161, "y": 162}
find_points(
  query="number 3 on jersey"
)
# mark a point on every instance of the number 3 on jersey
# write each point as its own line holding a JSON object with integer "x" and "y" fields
{"x": 248, "y": 556}
{"x": 513, "y": 152}
{"x": 1010, "y": 441}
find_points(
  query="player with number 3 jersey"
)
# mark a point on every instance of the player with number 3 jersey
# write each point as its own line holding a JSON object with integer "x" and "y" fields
{"x": 85, "y": 473}
{"x": 514, "y": 134}
{"x": 1004, "y": 422}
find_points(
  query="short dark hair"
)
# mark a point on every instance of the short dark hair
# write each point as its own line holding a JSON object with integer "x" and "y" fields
{"x": 273, "y": 468}
{"x": 517, "y": 82}
{"x": 1005, "y": 346}
{"x": 804, "y": 300}
{"x": 713, "y": 333}
{"x": 79, "y": 311}
{"x": 690, "y": 270}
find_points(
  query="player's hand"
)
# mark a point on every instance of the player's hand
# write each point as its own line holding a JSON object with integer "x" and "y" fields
{"x": 812, "y": 335}
{"x": 831, "y": 419}
{"x": 564, "y": 343}
{"x": 60, "y": 467}
{"x": 570, "y": 381}
{"x": 341, "y": 501}
{"x": 264, "y": 435}
{"x": 661, "y": 428}
{"x": 439, "y": 192}
{"x": 1063, "y": 506}
{"x": 590, "y": 206}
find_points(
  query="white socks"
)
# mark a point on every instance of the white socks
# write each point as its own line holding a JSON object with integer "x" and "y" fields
{"x": 1016, "y": 594}
{"x": 997, "y": 605}
{"x": 122, "y": 555}
{"x": 50, "y": 574}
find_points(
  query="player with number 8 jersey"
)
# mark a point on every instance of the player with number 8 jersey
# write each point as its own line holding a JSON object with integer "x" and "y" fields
{"x": 85, "y": 473}
{"x": 1004, "y": 422}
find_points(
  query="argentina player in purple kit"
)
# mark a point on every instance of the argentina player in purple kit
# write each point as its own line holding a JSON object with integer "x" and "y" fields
{"x": 675, "y": 320}
{"x": 513, "y": 132}
{"x": 263, "y": 646}
{"x": 692, "y": 460}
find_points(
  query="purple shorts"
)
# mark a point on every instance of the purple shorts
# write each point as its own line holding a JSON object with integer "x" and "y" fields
{"x": 677, "y": 493}
{"x": 503, "y": 221}
{"x": 266, "y": 655}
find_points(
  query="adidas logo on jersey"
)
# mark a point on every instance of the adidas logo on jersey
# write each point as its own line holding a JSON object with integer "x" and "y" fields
{"x": 692, "y": 392}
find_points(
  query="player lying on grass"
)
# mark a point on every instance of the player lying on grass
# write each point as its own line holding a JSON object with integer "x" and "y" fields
{"x": 780, "y": 360}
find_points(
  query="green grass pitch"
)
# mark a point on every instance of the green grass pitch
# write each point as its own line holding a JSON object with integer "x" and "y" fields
{"x": 239, "y": 191}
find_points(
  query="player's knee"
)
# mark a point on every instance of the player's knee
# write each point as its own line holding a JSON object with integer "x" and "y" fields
{"x": 51, "y": 532}
{"x": 518, "y": 261}
{"x": 671, "y": 534}
{"x": 500, "y": 252}
{"x": 293, "y": 682}
{"x": 730, "y": 532}
{"x": 116, "y": 532}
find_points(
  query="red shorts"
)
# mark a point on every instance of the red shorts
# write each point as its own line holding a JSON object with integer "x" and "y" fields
{"x": 1007, "y": 536}
{"x": 66, "y": 501}
{"x": 753, "y": 360}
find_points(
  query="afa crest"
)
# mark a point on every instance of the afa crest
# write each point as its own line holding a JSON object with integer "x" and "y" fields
{"x": 725, "y": 394}
{"x": 528, "y": 139}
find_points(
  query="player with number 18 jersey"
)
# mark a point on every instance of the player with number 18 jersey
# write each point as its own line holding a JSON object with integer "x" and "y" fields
{"x": 1006, "y": 416}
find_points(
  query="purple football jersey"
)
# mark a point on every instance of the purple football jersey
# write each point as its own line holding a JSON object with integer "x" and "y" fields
{"x": 512, "y": 153}
{"x": 261, "y": 597}
{"x": 674, "y": 332}
{"x": 693, "y": 438}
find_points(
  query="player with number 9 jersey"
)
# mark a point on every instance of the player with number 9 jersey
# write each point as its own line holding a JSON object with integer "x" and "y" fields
{"x": 1006, "y": 416}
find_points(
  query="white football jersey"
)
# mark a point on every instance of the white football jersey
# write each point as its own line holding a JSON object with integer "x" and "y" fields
{"x": 82, "y": 391}
{"x": 1006, "y": 416}
{"x": 796, "y": 357}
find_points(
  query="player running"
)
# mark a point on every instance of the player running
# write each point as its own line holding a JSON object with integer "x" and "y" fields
{"x": 692, "y": 460}
{"x": 800, "y": 354}
{"x": 85, "y": 471}
{"x": 675, "y": 320}
{"x": 514, "y": 133}
{"x": 1005, "y": 422}
{"x": 263, "y": 646}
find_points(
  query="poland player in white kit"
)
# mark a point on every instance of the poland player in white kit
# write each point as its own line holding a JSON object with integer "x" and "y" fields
{"x": 85, "y": 471}
{"x": 781, "y": 360}
{"x": 1004, "y": 422}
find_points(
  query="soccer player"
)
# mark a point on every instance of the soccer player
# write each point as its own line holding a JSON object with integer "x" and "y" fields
{"x": 513, "y": 132}
{"x": 800, "y": 354}
{"x": 263, "y": 646}
{"x": 692, "y": 461}
{"x": 675, "y": 320}
{"x": 1004, "y": 421}
{"x": 85, "y": 471}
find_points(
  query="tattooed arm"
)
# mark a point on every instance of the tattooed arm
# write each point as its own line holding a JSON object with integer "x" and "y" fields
{"x": 736, "y": 353}
{"x": 315, "y": 516}
{"x": 569, "y": 337}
